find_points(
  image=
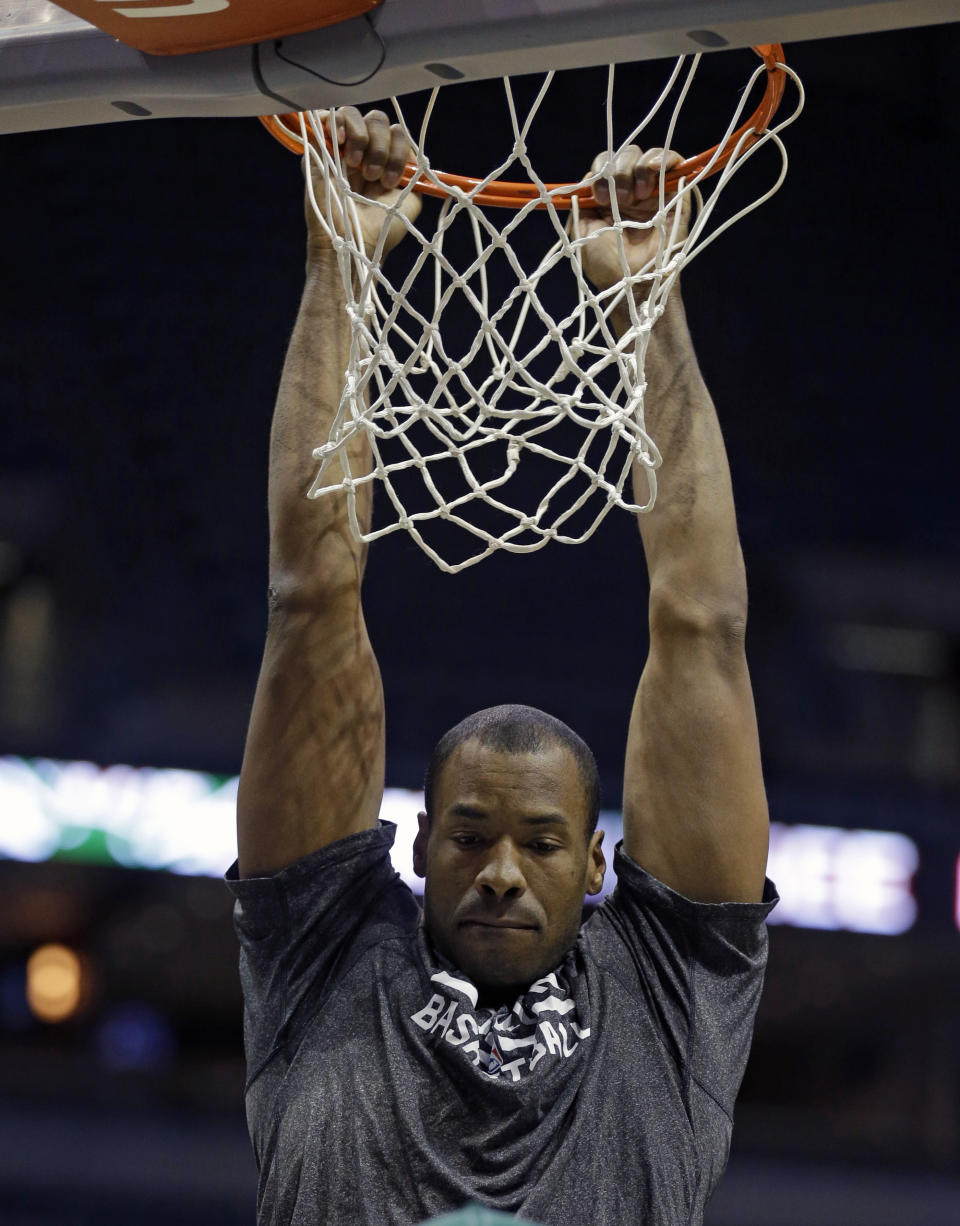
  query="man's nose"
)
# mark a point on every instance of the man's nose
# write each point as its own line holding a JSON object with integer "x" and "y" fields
{"x": 501, "y": 873}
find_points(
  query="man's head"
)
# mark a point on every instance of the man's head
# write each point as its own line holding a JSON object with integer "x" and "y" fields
{"x": 508, "y": 838}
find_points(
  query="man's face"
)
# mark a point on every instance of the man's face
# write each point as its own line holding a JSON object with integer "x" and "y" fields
{"x": 506, "y": 865}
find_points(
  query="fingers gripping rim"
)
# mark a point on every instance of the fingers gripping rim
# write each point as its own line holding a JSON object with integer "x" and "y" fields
{"x": 505, "y": 194}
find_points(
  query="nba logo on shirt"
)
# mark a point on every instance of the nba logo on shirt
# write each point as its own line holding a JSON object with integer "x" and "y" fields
{"x": 494, "y": 1059}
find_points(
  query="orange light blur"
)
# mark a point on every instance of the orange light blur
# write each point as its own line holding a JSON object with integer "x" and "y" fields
{"x": 54, "y": 983}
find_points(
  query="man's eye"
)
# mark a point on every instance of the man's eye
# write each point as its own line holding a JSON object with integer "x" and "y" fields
{"x": 470, "y": 840}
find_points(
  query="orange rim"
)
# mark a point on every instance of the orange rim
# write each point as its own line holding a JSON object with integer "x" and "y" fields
{"x": 505, "y": 194}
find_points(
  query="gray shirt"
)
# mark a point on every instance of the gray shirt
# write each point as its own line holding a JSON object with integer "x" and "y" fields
{"x": 378, "y": 1094}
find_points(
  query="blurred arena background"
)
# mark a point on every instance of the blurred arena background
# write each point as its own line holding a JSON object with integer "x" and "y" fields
{"x": 151, "y": 276}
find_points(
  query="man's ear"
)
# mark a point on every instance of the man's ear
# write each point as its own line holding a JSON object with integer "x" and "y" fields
{"x": 596, "y": 865}
{"x": 420, "y": 845}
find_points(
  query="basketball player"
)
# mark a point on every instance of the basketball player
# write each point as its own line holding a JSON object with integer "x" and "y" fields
{"x": 491, "y": 1048}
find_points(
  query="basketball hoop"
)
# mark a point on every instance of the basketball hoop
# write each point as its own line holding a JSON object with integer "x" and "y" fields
{"x": 505, "y": 194}
{"x": 464, "y": 424}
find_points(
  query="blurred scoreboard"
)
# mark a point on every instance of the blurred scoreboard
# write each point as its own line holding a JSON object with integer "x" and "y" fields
{"x": 829, "y": 877}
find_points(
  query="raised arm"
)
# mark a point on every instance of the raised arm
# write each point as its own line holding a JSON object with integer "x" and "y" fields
{"x": 694, "y": 807}
{"x": 314, "y": 758}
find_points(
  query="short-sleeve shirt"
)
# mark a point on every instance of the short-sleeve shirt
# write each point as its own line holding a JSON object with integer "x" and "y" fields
{"x": 379, "y": 1094}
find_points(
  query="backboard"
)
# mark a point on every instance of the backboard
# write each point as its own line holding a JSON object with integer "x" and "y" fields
{"x": 58, "y": 70}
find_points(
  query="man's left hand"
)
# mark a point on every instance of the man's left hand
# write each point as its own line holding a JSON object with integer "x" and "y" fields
{"x": 637, "y": 185}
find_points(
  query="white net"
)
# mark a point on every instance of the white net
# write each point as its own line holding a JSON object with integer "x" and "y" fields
{"x": 519, "y": 377}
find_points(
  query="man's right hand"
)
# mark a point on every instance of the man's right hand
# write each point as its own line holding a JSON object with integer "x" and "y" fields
{"x": 375, "y": 153}
{"x": 314, "y": 759}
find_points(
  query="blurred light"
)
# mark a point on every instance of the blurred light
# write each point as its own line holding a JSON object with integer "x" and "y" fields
{"x": 142, "y": 817}
{"x": 54, "y": 983}
{"x": 859, "y": 880}
{"x": 185, "y": 822}
{"x": 134, "y": 1036}
{"x": 28, "y": 830}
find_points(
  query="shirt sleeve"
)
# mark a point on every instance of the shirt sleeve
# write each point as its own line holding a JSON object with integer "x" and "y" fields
{"x": 698, "y": 967}
{"x": 302, "y": 929}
